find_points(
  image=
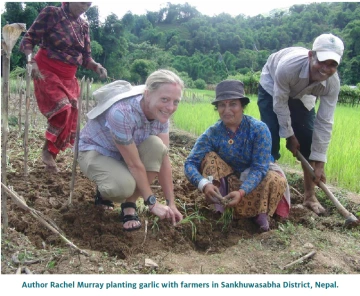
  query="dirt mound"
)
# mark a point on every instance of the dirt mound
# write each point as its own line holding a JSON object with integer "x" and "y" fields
{"x": 204, "y": 242}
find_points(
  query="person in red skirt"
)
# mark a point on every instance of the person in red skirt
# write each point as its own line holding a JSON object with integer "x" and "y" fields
{"x": 64, "y": 44}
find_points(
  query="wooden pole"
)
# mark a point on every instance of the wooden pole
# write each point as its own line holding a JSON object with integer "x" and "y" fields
{"x": 4, "y": 132}
{"x": 19, "y": 201}
{"x": 91, "y": 96}
{"x": 34, "y": 111}
{"x": 87, "y": 96}
{"x": 10, "y": 33}
{"x": 300, "y": 260}
{"x": 350, "y": 218}
{"x": 27, "y": 107}
{"x": 20, "y": 79}
{"x": 76, "y": 146}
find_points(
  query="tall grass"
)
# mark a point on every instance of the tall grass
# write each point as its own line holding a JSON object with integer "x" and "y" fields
{"x": 344, "y": 148}
{"x": 342, "y": 168}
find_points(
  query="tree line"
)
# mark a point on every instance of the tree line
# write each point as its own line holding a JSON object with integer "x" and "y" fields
{"x": 203, "y": 50}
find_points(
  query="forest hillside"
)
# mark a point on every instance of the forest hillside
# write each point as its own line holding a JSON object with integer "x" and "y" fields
{"x": 203, "y": 50}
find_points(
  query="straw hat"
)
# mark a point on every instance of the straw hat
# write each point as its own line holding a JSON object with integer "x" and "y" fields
{"x": 110, "y": 93}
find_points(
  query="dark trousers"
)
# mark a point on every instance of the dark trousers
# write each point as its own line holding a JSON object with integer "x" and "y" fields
{"x": 302, "y": 122}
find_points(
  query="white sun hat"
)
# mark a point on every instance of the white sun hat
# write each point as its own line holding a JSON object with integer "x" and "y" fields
{"x": 110, "y": 93}
{"x": 328, "y": 47}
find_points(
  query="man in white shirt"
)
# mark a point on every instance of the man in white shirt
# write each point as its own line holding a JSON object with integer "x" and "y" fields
{"x": 290, "y": 82}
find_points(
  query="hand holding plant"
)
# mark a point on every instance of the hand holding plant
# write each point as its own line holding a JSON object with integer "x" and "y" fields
{"x": 233, "y": 198}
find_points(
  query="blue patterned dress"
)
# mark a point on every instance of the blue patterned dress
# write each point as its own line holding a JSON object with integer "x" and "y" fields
{"x": 251, "y": 149}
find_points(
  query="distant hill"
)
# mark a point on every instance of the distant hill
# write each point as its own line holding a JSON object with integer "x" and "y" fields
{"x": 203, "y": 48}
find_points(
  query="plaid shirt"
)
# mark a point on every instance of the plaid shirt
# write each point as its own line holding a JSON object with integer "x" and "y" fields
{"x": 52, "y": 31}
{"x": 125, "y": 121}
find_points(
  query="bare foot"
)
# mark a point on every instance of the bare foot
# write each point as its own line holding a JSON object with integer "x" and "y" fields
{"x": 52, "y": 169}
{"x": 129, "y": 217}
{"x": 105, "y": 207}
{"x": 103, "y": 203}
{"x": 131, "y": 224}
{"x": 262, "y": 221}
{"x": 48, "y": 158}
{"x": 313, "y": 204}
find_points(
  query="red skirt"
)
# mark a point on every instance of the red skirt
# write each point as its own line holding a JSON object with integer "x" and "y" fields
{"x": 57, "y": 96}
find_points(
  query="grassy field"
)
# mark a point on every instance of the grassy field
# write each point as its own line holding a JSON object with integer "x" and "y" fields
{"x": 195, "y": 114}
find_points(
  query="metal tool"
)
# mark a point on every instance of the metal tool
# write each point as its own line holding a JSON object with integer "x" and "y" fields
{"x": 350, "y": 219}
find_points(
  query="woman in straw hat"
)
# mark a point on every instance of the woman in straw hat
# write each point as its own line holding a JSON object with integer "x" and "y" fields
{"x": 230, "y": 161}
{"x": 64, "y": 40}
{"x": 124, "y": 146}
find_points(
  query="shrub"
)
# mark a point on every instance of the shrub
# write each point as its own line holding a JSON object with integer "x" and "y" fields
{"x": 200, "y": 84}
{"x": 349, "y": 95}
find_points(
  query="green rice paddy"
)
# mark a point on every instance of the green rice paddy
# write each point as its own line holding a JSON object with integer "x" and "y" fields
{"x": 195, "y": 114}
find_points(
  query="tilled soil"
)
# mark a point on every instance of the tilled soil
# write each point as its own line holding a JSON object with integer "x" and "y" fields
{"x": 203, "y": 243}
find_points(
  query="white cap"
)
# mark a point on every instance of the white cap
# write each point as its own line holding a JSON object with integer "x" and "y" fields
{"x": 328, "y": 47}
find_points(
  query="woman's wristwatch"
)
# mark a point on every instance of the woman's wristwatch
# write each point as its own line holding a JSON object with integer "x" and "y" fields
{"x": 151, "y": 200}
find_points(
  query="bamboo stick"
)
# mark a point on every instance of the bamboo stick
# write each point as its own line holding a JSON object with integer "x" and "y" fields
{"x": 146, "y": 230}
{"x": 90, "y": 95}
{"x": 20, "y": 103}
{"x": 76, "y": 146}
{"x": 34, "y": 112}
{"x": 300, "y": 260}
{"x": 4, "y": 132}
{"x": 10, "y": 34}
{"x": 27, "y": 107}
{"x": 350, "y": 219}
{"x": 19, "y": 201}
{"x": 87, "y": 96}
